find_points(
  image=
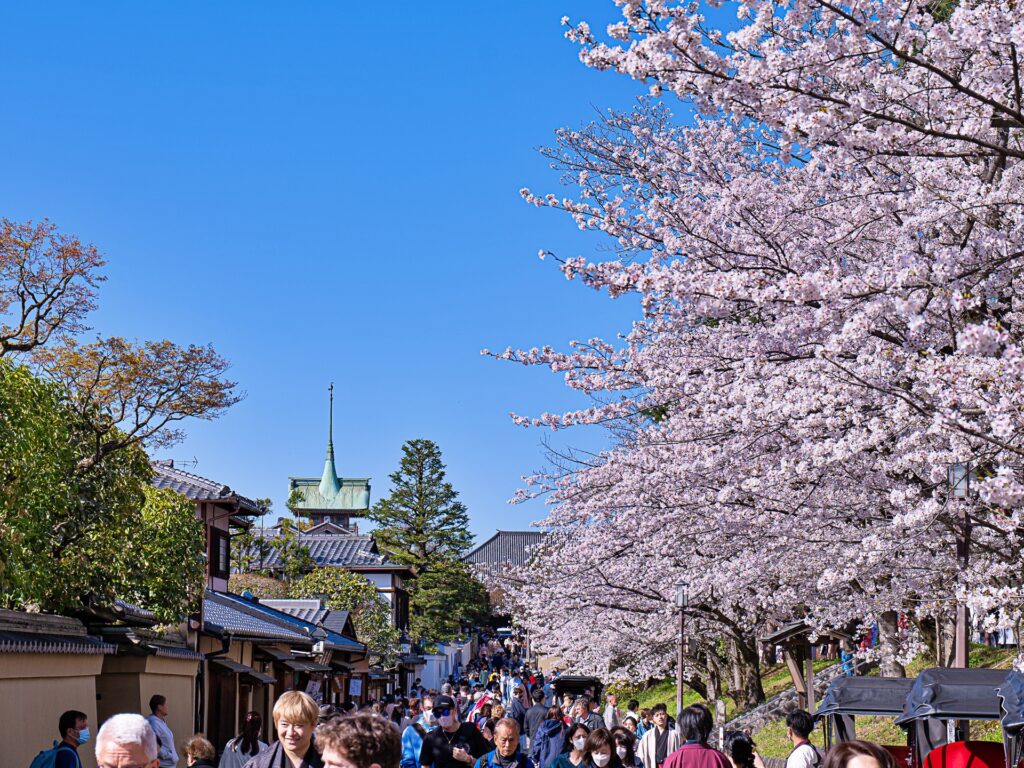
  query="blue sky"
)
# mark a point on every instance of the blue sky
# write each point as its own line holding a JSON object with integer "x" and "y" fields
{"x": 325, "y": 192}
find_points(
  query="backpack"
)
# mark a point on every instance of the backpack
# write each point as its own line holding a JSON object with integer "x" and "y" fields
{"x": 814, "y": 750}
{"x": 48, "y": 757}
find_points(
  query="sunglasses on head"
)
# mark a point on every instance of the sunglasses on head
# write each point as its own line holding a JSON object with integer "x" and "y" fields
{"x": 442, "y": 712}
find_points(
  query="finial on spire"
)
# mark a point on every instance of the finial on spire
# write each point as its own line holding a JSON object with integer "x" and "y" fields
{"x": 329, "y": 483}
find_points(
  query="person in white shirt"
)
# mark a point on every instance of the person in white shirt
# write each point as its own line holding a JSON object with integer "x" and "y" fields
{"x": 799, "y": 725}
{"x": 158, "y": 722}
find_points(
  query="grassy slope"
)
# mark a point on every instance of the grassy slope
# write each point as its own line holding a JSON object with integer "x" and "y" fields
{"x": 774, "y": 680}
{"x": 771, "y": 740}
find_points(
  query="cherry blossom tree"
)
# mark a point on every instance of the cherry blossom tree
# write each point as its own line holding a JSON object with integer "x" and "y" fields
{"x": 828, "y": 254}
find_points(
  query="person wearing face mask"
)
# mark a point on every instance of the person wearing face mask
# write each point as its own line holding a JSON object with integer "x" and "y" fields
{"x": 599, "y": 750}
{"x": 573, "y": 751}
{"x": 625, "y": 747}
{"x": 416, "y": 731}
{"x": 507, "y": 752}
{"x": 74, "y": 731}
{"x": 548, "y": 738}
{"x": 452, "y": 744}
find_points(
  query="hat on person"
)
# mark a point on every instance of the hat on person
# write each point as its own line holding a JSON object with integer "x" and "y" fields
{"x": 444, "y": 702}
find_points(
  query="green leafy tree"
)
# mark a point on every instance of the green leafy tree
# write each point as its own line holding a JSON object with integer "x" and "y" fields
{"x": 423, "y": 525}
{"x": 249, "y": 549}
{"x": 446, "y": 597}
{"x": 294, "y": 556}
{"x": 71, "y": 533}
{"x": 421, "y": 522}
{"x": 258, "y": 584}
{"x": 343, "y": 590}
{"x": 161, "y": 566}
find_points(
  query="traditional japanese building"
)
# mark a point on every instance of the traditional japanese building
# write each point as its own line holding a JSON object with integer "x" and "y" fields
{"x": 329, "y": 504}
{"x": 503, "y": 549}
{"x": 218, "y": 507}
{"x": 328, "y": 498}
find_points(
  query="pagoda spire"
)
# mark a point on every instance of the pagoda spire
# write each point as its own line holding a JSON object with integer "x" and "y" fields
{"x": 329, "y": 484}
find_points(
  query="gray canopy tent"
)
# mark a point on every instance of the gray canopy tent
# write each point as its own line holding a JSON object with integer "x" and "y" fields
{"x": 848, "y": 697}
{"x": 941, "y": 697}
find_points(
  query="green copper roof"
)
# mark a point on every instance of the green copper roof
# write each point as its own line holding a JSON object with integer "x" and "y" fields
{"x": 352, "y": 496}
{"x": 329, "y": 485}
{"x": 329, "y": 493}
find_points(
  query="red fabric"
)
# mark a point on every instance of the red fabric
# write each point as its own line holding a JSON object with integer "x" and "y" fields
{"x": 966, "y": 754}
{"x": 697, "y": 756}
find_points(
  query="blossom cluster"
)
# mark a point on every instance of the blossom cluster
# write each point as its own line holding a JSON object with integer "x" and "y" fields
{"x": 828, "y": 256}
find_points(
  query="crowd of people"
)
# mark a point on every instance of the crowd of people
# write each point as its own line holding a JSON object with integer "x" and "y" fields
{"x": 498, "y": 713}
{"x": 439, "y": 732}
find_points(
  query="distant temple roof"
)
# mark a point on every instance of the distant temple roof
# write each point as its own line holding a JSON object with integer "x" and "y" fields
{"x": 351, "y": 551}
{"x": 329, "y": 493}
{"x": 166, "y": 475}
{"x": 505, "y": 548}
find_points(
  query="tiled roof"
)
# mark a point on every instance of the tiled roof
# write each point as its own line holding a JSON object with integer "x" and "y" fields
{"x": 311, "y": 611}
{"x": 166, "y": 475}
{"x": 252, "y": 619}
{"x": 22, "y": 632}
{"x": 327, "y": 527}
{"x": 238, "y": 616}
{"x": 34, "y": 642}
{"x": 174, "y": 652}
{"x": 307, "y": 610}
{"x": 505, "y": 548}
{"x": 341, "y": 550}
{"x": 336, "y": 621}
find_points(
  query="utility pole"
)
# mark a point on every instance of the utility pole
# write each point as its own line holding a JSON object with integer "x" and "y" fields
{"x": 681, "y": 600}
{"x": 959, "y": 477}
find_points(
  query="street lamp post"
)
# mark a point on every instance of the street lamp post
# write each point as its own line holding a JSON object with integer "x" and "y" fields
{"x": 681, "y": 600}
{"x": 959, "y": 477}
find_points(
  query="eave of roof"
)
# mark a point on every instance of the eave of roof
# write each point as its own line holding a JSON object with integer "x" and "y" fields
{"x": 33, "y": 642}
{"x": 200, "y": 489}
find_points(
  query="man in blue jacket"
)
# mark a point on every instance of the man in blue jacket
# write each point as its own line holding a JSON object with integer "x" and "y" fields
{"x": 412, "y": 737}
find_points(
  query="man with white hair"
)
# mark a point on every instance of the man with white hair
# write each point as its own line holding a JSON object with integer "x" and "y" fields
{"x": 126, "y": 741}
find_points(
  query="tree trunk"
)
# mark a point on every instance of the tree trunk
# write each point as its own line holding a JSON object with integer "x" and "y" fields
{"x": 746, "y": 668}
{"x": 888, "y": 643}
{"x": 939, "y": 636}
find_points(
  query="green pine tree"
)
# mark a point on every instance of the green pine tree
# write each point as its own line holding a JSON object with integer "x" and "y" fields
{"x": 423, "y": 525}
{"x": 421, "y": 522}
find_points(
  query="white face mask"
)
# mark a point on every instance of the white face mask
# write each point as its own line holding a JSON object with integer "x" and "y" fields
{"x": 428, "y": 716}
{"x": 600, "y": 760}
{"x": 445, "y": 721}
{"x": 578, "y": 743}
{"x": 621, "y": 752}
